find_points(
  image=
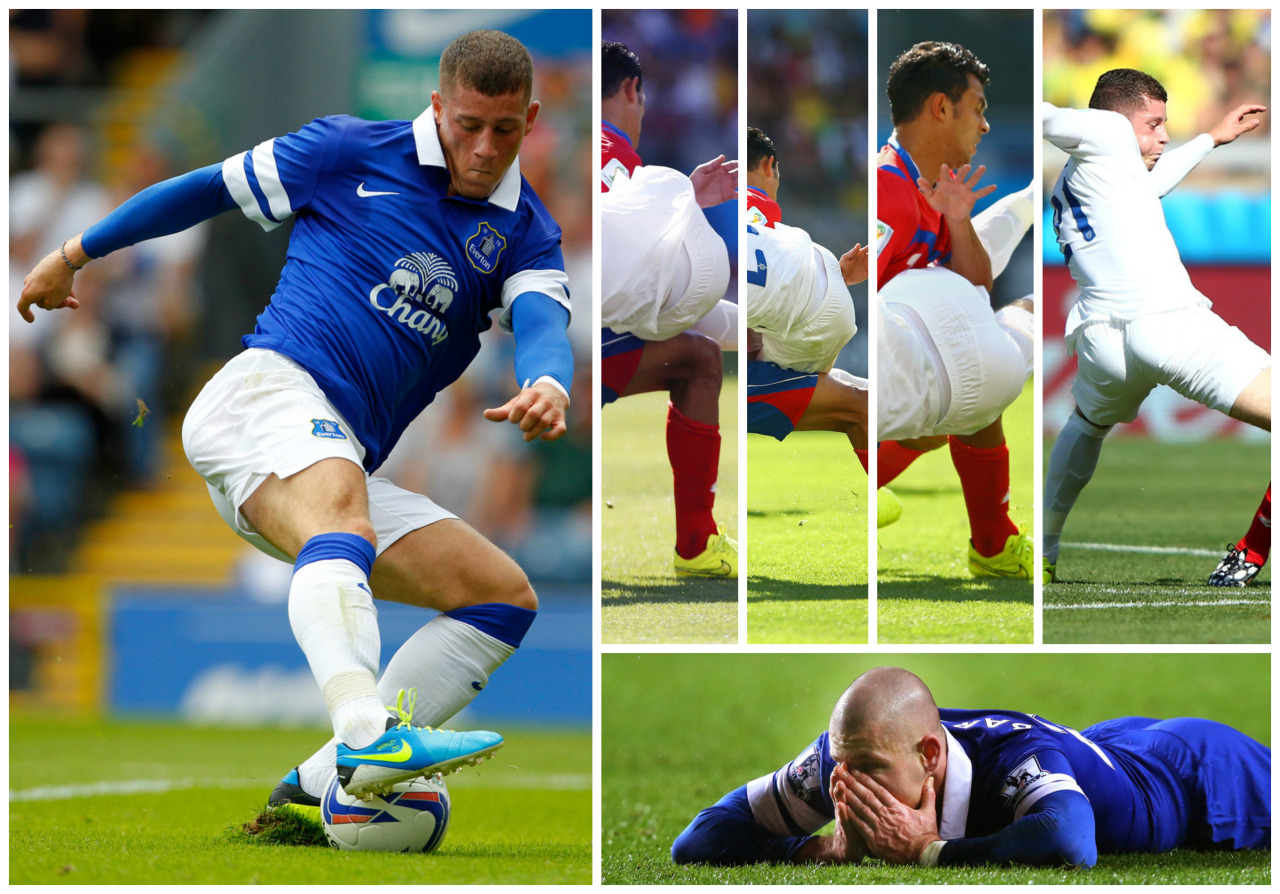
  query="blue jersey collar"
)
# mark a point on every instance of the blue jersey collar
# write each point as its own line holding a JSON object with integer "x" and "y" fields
{"x": 905, "y": 156}
{"x": 427, "y": 139}
{"x": 615, "y": 131}
{"x": 956, "y": 790}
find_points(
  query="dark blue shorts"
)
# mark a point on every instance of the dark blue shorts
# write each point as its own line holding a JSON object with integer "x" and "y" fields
{"x": 1226, "y": 775}
{"x": 776, "y": 398}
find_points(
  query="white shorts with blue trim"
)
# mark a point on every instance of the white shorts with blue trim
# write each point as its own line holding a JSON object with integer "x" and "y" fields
{"x": 264, "y": 415}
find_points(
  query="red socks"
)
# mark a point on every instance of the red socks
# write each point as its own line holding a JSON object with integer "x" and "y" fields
{"x": 1257, "y": 543}
{"x": 862, "y": 458}
{"x": 694, "y": 450}
{"x": 984, "y": 478}
{"x": 894, "y": 459}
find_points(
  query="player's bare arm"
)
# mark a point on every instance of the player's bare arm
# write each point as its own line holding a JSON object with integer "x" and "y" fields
{"x": 893, "y": 831}
{"x": 539, "y": 410}
{"x": 953, "y": 196}
{"x": 49, "y": 284}
{"x": 854, "y": 264}
{"x": 1237, "y": 123}
{"x": 715, "y": 181}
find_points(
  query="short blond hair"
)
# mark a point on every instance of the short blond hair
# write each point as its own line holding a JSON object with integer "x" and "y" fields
{"x": 490, "y": 62}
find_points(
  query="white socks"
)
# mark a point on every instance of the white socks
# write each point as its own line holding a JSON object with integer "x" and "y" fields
{"x": 1071, "y": 465}
{"x": 448, "y": 661}
{"x": 332, "y": 615}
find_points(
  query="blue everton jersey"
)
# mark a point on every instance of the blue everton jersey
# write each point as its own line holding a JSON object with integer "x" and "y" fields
{"x": 1151, "y": 784}
{"x": 389, "y": 281}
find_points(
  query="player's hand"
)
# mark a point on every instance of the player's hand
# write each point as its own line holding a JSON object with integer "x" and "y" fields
{"x": 893, "y": 831}
{"x": 954, "y": 196}
{"x": 539, "y": 410}
{"x": 714, "y": 181}
{"x": 48, "y": 285}
{"x": 854, "y": 264}
{"x": 1236, "y": 124}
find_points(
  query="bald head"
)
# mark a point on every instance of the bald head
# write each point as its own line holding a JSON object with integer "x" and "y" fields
{"x": 889, "y": 705}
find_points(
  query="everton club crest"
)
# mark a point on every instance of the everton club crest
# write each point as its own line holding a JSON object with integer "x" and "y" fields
{"x": 484, "y": 248}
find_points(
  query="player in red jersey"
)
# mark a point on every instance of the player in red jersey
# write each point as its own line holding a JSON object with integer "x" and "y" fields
{"x": 782, "y": 400}
{"x": 938, "y": 107}
{"x": 689, "y": 366}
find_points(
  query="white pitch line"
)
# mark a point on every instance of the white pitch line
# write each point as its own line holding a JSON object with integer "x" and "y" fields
{"x": 1157, "y": 550}
{"x": 531, "y": 782}
{"x": 1157, "y": 604}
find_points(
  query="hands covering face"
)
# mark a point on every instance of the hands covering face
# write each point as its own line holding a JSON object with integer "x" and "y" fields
{"x": 888, "y": 828}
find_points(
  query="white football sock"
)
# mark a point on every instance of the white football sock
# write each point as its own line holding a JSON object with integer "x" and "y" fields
{"x": 333, "y": 618}
{"x": 447, "y": 661}
{"x": 1071, "y": 465}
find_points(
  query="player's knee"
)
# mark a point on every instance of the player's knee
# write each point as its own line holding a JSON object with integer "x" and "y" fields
{"x": 702, "y": 357}
{"x": 512, "y": 588}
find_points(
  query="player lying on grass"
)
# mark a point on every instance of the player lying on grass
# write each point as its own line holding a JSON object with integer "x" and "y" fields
{"x": 926, "y": 194}
{"x": 909, "y": 783}
{"x": 800, "y": 316}
{"x": 1138, "y": 321}
{"x": 408, "y": 235}
{"x": 663, "y": 256}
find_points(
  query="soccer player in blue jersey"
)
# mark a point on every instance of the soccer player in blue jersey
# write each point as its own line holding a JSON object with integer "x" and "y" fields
{"x": 408, "y": 235}
{"x": 909, "y": 783}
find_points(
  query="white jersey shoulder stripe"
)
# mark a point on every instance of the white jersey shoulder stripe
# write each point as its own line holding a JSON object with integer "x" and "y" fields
{"x": 237, "y": 183}
{"x": 264, "y": 169}
{"x": 1053, "y": 782}
{"x": 552, "y": 283}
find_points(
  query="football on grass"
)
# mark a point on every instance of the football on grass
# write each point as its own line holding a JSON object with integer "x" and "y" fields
{"x": 410, "y": 819}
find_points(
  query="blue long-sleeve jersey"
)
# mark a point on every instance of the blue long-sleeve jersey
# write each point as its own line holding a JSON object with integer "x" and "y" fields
{"x": 389, "y": 279}
{"x": 1019, "y": 789}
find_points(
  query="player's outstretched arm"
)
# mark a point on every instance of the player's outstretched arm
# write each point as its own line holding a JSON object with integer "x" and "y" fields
{"x": 167, "y": 207}
{"x": 1237, "y": 123}
{"x": 954, "y": 197}
{"x": 727, "y": 834}
{"x": 49, "y": 284}
{"x": 544, "y": 367}
{"x": 714, "y": 181}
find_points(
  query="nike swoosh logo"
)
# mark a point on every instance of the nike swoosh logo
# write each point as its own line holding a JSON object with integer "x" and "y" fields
{"x": 364, "y": 193}
{"x": 397, "y": 757}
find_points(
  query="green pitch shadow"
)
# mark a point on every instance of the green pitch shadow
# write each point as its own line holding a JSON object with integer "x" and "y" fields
{"x": 665, "y": 591}
{"x": 771, "y": 589}
{"x": 909, "y": 586}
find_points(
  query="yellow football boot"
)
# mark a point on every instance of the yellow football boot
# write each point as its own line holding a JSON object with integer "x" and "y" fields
{"x": 1015, "y": 560}
{"x": 719, "y": 559}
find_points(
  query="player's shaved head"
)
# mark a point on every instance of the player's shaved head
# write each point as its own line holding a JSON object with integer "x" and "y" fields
{"x": 759, "y": 147}
{"x": 1126, "y": 90}
{"x": 488, "y": 62}
{"x": 617, "y": 64}
{"x": 889, "y": 705}
{"x": 927, "y": 68}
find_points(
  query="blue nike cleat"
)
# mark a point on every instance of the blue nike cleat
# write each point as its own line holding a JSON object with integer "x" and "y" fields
{"x": 406, "y": 752}
{"x": 290, "y": 797}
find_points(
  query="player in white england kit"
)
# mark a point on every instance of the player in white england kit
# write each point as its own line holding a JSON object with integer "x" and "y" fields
{"x": 1138, "y": 322}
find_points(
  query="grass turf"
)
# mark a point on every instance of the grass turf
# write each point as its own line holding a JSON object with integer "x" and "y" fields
{"x": 642, "y": 599}
{"x": 742, "y": 716}
{"x": 924, "y": 591}
{"x": 524, "y": 817}
{"x": 807, "y": 528}
{"x": 1149, "y": 495}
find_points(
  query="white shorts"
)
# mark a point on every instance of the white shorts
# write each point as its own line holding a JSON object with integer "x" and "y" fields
{"x": 813, "y": 345}
{"x": 1192, "y": 350}
{"x": 985, "y": 357}
{"x": 263, "y": 414}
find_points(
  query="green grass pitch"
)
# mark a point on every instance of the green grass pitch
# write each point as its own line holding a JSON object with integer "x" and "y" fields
{"x": 807, "y": 540}
{"x": 1143, "y": 538}
{"x": 523, "y": 817}
{"x": 723, "y": 720}
{"x": 642, "y": 599}
{"x": 924, "y": 591}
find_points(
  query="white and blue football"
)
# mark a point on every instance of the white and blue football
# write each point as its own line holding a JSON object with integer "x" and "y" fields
{"x": 411, "y": 819}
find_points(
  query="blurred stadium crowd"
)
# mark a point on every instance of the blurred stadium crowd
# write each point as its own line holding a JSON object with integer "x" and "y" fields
{"x": 1208, "y": 60}
{"x": 88, "y": 93}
